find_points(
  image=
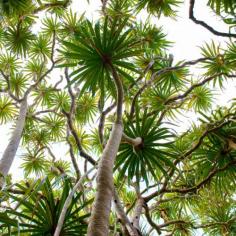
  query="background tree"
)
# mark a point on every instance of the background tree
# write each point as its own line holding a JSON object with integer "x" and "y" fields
{"x": 108, "y": 93}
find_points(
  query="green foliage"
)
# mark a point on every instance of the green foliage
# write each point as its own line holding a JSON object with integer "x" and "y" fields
{"x": 97, "y": 48}
{"x": 184, "y": 172}
{"x": 14, "y": 7}
{"x": 19, "y": 39}
{"x": 55, "y": 126}
{"x": 159, "y": 7}
{"x": 217, "y": 64}
{"x": 222, "y": 5}
{"x": 7, "y": 109}
{"x": 40, "y": 48}
{"x": 153, "y": 38}
{"x": 34, "y": 162}
{"x": 86, "y": 108}
{"x": 147, "y": 157}
{"x": 18, "y": 83}
{"x": 46, "y": 207}
{"x": 200, "y": 99}
{"x": 9, "y": 63}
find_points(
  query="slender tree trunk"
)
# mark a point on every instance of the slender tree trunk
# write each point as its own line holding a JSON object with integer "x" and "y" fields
{"x": 128, "y": 228}
{"x": 11, "y": 149}
{"x": 67, "y": 203}
{"x": 137, "y": 213}
{"x": 99, "y": 220}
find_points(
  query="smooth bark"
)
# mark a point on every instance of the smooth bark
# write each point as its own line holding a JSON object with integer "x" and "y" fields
{"x": 11, "y": 149}
{"x": 137, "y": 213}
{"x": 99, "y": 220}
{"x": 132, "y": 141}
{"x": 76, "y": 187}
{"x": 129, "y": 229}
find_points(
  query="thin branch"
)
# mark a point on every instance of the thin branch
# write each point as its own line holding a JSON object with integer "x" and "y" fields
{"x": 69, "y": 198}
{"x": 214, "y": 224}
{"x": 204, "y": 24}
{"x": 70, "y": 122}
{"x": 131, "y": 230}
{"x": 148, "y": 67}
{"x": 150, "y": 221}
{"x": 77, "y": 140}
{"x": 214, "y": 127}
{"x": 102, "y": 121}
{"x": 8, "y": 89}
{"x": 57, "y": 83}
{"x": 104, "y": 6}
{"x": 74, "y": 162}
{"x": 120, "y": 94}
{"x": 51, "y": 153}
{"x": 172, "y": 222}
{"x": 203, "y": 182}
{"x": 47, "y": 72}
{"x": 156, "y": 75}
{"x": 189, "y": 90}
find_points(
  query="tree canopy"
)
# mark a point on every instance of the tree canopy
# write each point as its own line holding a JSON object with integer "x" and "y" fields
{"x": 109, "y": 95}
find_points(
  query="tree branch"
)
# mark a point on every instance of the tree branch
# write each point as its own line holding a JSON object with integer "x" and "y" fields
{"x": 189, "y": 90}
{"x": 131, "y": 230}
{"x": 203, "y": 182}
{"x": 150, "y": 221}
{"x": 102, "y": 121}
{"x": 156, "y": 74}
{"x": 66, "y": 205}
{"x": 72, "y": 156}
{"x": 214, "y": 127}
{"x": 120, "y": 94}
{"x": 132, "y": 141}
{"x": 205, "y": 25}
{"x": 70, "y": 123}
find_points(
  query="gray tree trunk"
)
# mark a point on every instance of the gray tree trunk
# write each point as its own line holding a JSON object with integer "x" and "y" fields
{"x": 11, "y": 149}
{"x": 99, "y": 220}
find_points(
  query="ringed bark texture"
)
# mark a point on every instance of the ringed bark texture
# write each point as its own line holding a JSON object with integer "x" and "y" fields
{"x": 11, "y": 149}
{"x": 99, "y": 220}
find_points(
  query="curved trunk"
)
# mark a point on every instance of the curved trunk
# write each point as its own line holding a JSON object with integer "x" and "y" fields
{"x": 99, "y": 220}
{"x": 11, "y": 149}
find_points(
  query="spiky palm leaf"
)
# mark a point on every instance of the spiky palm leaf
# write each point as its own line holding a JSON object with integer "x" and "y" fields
{"x": 19, "y": 39}
{"x": 160, "y": 7}
{"x": 95, "y": 48}
{"x": 7, "y": 109}
{"x": 39, "y": 209}
{"x": 150, "y": 155}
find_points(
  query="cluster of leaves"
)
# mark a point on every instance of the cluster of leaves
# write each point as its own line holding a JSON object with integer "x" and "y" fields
{"x": 136, "y": 51}
{"x": 39, "y": 208}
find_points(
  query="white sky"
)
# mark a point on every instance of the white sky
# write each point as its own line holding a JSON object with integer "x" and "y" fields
{"x": 187, "y": 37}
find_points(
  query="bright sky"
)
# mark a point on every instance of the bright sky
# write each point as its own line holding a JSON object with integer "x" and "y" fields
{"x": 187, "y": 37}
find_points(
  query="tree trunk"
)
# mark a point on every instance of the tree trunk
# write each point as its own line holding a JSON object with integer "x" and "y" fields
{"x": 99, "y": 220}
{"x": 10, "y": 151}
{"x": 128, "y": 228}
{"x": 137, "y": 213}
{"x": 67, "y": 203}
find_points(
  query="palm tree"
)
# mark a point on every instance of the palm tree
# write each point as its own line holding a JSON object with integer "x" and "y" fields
{"x": 98, "y": 107}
